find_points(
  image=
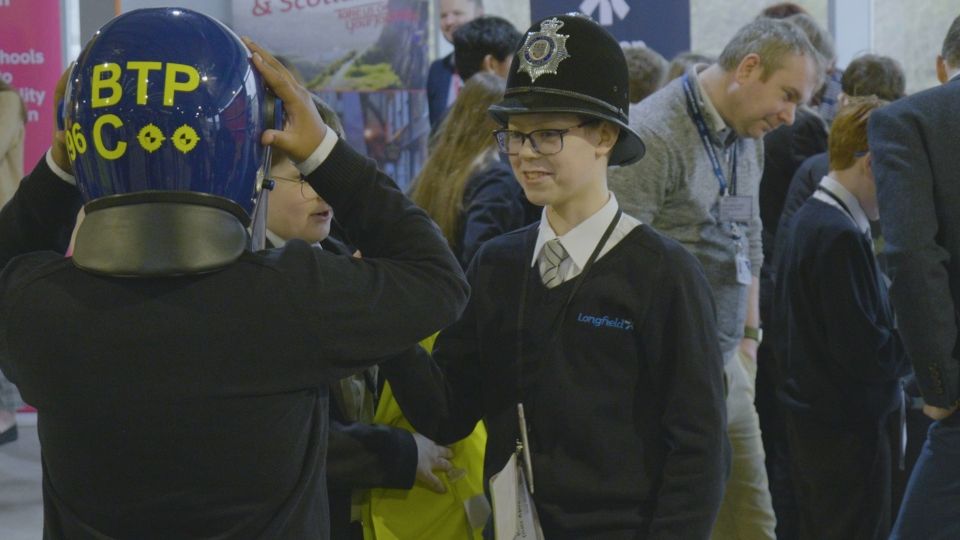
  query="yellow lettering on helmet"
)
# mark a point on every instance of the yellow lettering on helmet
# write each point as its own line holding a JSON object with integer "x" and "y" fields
{"x": 99, "y": 84}
{"x": 143, "y": 70}
{"x": 114, "y": 121}
{"x": 171, "y": 85}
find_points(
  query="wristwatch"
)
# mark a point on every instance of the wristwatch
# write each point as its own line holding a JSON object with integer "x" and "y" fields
{"x": 754, "y": 333}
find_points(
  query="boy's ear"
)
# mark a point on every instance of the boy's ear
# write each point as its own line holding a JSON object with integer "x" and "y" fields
{"x": 609, "y": 133}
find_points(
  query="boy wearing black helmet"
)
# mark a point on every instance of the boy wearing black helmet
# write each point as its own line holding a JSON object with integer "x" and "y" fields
{"x": 588, "y": 345}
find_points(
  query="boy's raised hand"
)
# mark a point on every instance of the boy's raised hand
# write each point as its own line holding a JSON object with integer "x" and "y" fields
{"x": 304, "y": 129}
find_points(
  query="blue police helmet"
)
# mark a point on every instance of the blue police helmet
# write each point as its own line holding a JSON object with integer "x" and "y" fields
{"x": 167, "y": 100}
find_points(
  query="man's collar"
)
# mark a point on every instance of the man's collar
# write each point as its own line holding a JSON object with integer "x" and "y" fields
{"x": 580, "y": 241}
{"x": 853, "y": 204}
{"x": 274, "y": 240}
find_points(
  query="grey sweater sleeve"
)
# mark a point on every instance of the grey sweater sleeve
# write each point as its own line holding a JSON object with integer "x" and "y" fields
{"x": 642, "y": 188}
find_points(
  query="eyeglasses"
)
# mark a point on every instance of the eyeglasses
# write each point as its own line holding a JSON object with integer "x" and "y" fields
{"x": 301, "y": 181}
{"x": 545, "y": 142}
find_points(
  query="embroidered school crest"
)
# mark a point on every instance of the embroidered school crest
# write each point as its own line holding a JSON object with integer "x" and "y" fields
{"x": 543, "y": 51}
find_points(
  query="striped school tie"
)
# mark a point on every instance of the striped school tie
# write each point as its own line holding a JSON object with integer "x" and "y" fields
{"x": 553, "y": 255}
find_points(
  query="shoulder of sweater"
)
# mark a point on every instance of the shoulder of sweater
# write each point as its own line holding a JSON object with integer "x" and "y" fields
{"x": 506, "y": 247}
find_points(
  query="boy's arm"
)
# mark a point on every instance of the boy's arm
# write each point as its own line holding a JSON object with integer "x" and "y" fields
{"x": 694, "y": 417}
{"x": 441, "y": 394}
{"x": 369, "y": 455}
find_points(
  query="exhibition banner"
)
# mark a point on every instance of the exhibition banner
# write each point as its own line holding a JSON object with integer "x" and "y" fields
{"x": 366, "y": 58}
{"x": 31, "y": 60}
{"x": 662, "y": 25}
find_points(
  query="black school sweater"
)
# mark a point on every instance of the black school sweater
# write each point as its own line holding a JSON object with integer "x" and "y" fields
{"x": 625, "y": 405}
{"x": 196, "y": 406}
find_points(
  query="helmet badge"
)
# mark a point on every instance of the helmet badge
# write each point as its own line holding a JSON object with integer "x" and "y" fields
{"x": 543, "y": 51}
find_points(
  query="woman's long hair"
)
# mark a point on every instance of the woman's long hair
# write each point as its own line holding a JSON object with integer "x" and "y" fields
{"x": 4, "y": 87}
{"x": 464, "y": 144}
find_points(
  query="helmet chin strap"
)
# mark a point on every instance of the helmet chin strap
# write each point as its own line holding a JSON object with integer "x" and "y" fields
{"x": 258, "y": 225}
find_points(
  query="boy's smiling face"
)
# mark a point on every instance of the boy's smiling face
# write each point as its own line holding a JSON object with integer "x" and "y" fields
{"x": 579, "y": 167}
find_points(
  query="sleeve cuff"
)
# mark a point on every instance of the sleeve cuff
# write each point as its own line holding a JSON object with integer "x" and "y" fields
{"x": 64, "y": 175}
{"x": 319, "y": 155}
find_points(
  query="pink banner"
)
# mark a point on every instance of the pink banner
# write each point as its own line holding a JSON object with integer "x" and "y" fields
{"x": 31, "y": 61}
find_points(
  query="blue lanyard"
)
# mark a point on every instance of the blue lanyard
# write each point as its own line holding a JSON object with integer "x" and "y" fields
{"x": 707, "y": 143}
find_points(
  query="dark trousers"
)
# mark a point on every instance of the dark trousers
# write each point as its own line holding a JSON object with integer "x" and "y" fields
{"x": 931, "y": 505}
{"x": 841, "y": 478}
{"x": 775, "y": 448}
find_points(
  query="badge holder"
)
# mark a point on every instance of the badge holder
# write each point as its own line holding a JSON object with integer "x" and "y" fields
{"x": 511, "y": 489}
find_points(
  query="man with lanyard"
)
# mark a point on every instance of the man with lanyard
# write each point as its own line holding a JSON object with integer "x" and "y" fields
{"x": 588, "y": 346}
{"x": 698, "y": 185}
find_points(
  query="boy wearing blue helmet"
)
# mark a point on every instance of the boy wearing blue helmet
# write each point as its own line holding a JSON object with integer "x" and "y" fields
{"x": 167, "y": 407}
{"x": 588, "y": 344}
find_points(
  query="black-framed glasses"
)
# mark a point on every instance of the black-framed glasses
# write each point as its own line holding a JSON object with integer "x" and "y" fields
{"x": 545, "y": 142}
{"x": 301, "y": 181}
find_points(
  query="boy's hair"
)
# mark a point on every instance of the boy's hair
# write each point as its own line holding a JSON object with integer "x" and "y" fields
{"x": 464, "y": 144}
{"x": 876, "y": 75}
{"x": 474, "y": 40}
{"x": 848, "y": 134}
{"x": 647, "y": 69}
{"x": 774, "y": 41}
{"x": 951, "y": 45}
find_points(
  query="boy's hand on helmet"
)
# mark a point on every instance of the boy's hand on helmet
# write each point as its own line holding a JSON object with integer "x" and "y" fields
{"x": 304, "y": 129}
{"x": 58, "y": 147}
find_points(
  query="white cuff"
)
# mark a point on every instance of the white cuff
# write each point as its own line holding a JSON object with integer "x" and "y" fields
{"x": 64, "y": 175}
{"x": 319, "y": 155}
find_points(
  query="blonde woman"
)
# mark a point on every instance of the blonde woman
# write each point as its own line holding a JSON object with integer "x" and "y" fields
{"x": 466, "y": 189}
{"x": 12, "y": 119}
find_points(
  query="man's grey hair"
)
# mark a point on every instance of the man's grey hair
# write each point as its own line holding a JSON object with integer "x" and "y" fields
{"x": 951, "y": 45}
{"x": 774, "y": 41}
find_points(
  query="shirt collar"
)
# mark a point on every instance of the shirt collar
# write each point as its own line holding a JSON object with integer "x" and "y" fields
{"x": 836, "y": 188}
{"x": 277, "y": 242}
{"x": 712, "y": 117}
{"x": 580, "y": 241}
{"x": 274, "y": 239}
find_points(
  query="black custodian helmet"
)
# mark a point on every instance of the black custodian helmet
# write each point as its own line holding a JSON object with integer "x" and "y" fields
{"x": 570, "y": 64}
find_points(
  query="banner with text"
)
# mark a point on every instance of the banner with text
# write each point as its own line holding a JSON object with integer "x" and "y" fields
{"x": 31, "y": 61}
{"x": 366, "y": 58}
{"x": 662, "y": 25}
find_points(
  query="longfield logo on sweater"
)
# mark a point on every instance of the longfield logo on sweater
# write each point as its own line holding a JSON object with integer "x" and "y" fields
{"x": 606, "y": 320}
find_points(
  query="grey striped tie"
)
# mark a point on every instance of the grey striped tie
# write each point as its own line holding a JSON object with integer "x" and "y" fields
{"x": 553, "y": 255}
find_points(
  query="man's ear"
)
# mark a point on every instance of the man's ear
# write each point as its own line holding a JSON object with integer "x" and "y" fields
{"x": 748, "y": 67}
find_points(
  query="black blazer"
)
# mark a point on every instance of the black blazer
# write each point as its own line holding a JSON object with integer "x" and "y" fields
{"x": 917, "y": 166}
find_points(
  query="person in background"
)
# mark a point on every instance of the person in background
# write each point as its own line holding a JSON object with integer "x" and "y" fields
{"x": 13, "y": 118}
{"x": 443, "y": 81}
{"x": 842, "y": 358}
{"x": 464, "y": 186}
{"x": 698, "y": 184}
{"x": 680, "y": 63}
{"x": 866, "y": 75}
{"x": 484, "y": 44}
{"x": 914, "y": 144}
{"x": 647, "y": 69}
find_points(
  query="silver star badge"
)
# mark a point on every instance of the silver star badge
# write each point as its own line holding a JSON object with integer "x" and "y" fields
{"x": 543, "y": 51}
